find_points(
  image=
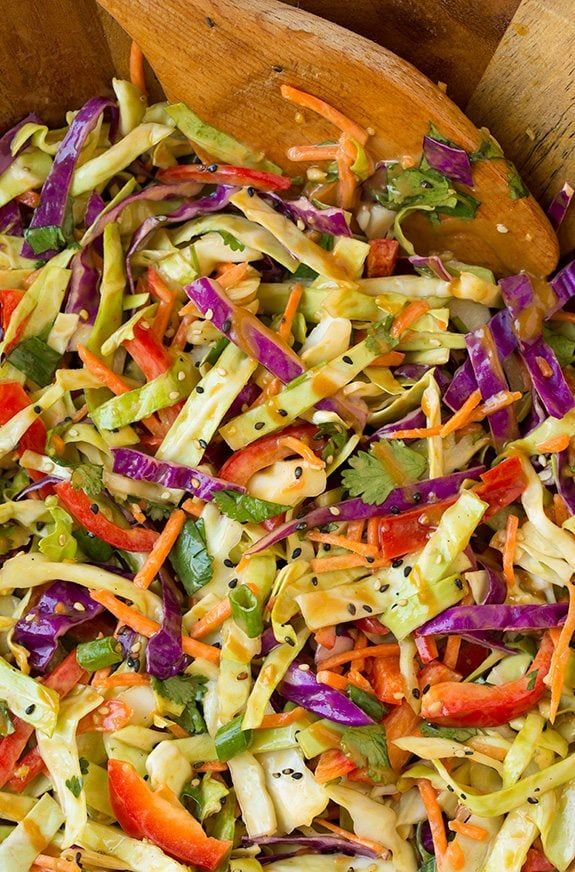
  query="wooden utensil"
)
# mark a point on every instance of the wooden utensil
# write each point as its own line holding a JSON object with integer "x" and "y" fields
{"x": 227, "y": 58}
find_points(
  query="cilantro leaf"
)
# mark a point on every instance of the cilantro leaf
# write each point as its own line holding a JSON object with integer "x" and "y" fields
{"x": 489, "y": 149}
{"x": 179, "y": 698}
{"x": 369, "y": 478}
{"x": 517, "y": 187}
{"x": 336, "y": 439}
{"x": 158, "y": 512}
{"x": 367, "y": 702}
{"x": 36, "y": 359}
{"x": 532, "y": 678}
{"x": 88, "y": 478}
{"x": 246, "y": 509}
{"x": 458, "y": 735}
{"x": 231, "y": 241}
{"x": 563, "y": 347}
{"x": 74, "y": 785}
{"x": 367, "y": 747}
{"x": 42, "y": 239}
{"x": 84, "y": 765}
{"x": 190, "y": 557}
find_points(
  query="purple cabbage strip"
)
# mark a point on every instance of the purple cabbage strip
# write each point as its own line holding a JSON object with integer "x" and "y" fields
{"x": 93, "y": 208}
{"x": 215, "y": 201}
{"x": 330, "y": 220}
{"x": 411, "y": 421}
{"x": 269, "y": 641}
{"x": 399, "y": 500}
{"x": 11, "y": 220}
{"x": 37, "y": 485}
{"x": 164, "y": 654}
{"x": 563, "y": 285}
{"x": 126, "y": 637}
{"x": 506, "y": 618}
{"x": 496, "y": 593}
{"x": 53, "y": 206}
{"x": 432, "y": 262}
{"x": 559, "y": 205}
{"x": 537, "y": 414}
{"x": 319, "y": 844}
{"x": 141, "y": 467}
{"x": 491, "y": 381}
{"x": 60, "y": 607}
{"x": 259, "y": 342}
{"x": 450, "y": 160}
{"x": 302, "y": 687}
{"x": 83, "y": 293}
{"x": 553, "y": 389}
{"x": 564, "y": 479}
{"x": 411, "y": 371}
{"x": 248, "y": 395}
{"x": 464, "y": 383}
{"x": 6, "y": 156}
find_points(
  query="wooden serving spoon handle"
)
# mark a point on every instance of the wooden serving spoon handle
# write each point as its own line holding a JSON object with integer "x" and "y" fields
{"x": 227, "y": 59}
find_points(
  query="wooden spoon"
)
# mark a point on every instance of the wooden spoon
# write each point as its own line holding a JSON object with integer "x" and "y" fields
{"x": 227, "y": 59}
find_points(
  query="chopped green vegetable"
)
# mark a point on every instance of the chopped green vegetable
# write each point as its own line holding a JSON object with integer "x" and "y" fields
{"x": 88, "y": 478}
{"x": 99, "y": 653}
{"x": 190, "y": 557}
{"x": 179, "y": 697}
{"x": 367, "y": 747}
{"x": 36, "y": 360}
{"x": 246, "y": 611}
{"x": 369, "y": 478}
{"x": 246, "y": 509}
{"x": 231, "y": 740}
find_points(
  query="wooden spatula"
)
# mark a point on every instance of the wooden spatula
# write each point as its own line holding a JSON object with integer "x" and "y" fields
{"x": 227, "y": 59}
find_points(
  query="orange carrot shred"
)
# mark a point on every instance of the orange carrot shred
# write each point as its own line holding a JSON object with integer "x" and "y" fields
{"x": 167, "y": 299}
{"x": 103, "y": 373}
{"x": 408, "y": 316}
{"x": 55, "y": 864}
{"x": 355, "y": 530}
{"x": 562, "y": 513}
{"x": 290, "y": 311}
{"x": 312, "y": 152}
{"x": 334, "y": 116}
{"x": 415, "y": 433}
{"x": 554, "y": 445}
{"x": 355, "y": 677}
{"x": 462, "y": 416}
{"x": 510, "y": 548}
{"x": 362, "y": 548}
{"x": 456, "y": 856}
{"x": 211, "y": 766}
{"x": 125, "y": 679}
{"x": 325, "y": 636}
{"x": 373, "y": 531}
{"x": 193, "y": 508}
{"x": 452, "y": 651}
{"x": 472, "y": 831}
{"x": 385, "y": 650}
{"x": 351, "y": 837}
{"x": 233, "y": 275}
{"x": 303, "y": 450}
{"x": 360, "y": 643}
{"x": 213, "y": 619}
{"x": 332, "y": 764}
{"x": 560, "y": 657}
{"x": 347, "y": 179}
{"x": 137, "y": 72}
{"x": 334, "y": 564}
{"x": 434, "y": 816}
{"x": 392, "y": 358}
{"x": 282, "y": 719}
{"x": 160, "y": 550}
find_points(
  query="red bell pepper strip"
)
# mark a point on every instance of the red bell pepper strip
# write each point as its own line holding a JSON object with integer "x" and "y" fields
{"x": 144, "y": 814}
{"x": 9, "y": 299}
{"x": 112, "y": 715}
{"x": 536, "y": 861}
{"x": 382, "y": 257}
{"x": 240, "y": 467}
{"x": 13, "y": 398}
{"x": 148, "y": 352}
{"x": 89, "y": 516}
{"x": 502, "y": 485}
{"x": 371, "y": 625}
{"x": 224, "y": 174}
{"x": 453, "y": 704}
{"x": 63, "y": 678}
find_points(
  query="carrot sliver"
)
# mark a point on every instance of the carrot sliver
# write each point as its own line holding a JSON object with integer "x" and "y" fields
{"x": 351, "y": 837}
{"x": 355, "y": 530}
{"x": 137, "y": 73}
{"x": 347, "y": 179}
{"x": 559, "y": 316}
{"x": 360, "y": 643}
{"x": 510, "y": 548}
{"x": 28, "y": 198}
{"x": 462, "y": 416}
{"x": 213, "y": 619}
{"x": 434, "y": 816}
{"x": 233, "y": 275}
{"x": 125, "y": 679}
{"x": 408, "y": 316}
{"x": 389, "y": 650}
{"x": 325, "y": 636}
{"x": 472, "y": 831}
{"x": 554, "y": 445}
{"x": 160, "y": 550}
{"x": 334, "y": 116}
{"x": 451, "y": 654}
{"x": 355, "y": 677}
{"x": 290, "y": 311}
{"x": 426, "y": 648}
{"x": 193, "y": 508}
{"x": 560, "y": 657}
{"x": 365, "y": 550}
{"x": 334, "y": 564}
{"x": 562, "y": 513}
{"x": 167, "y": 299}
{"x": 415, "y": 433}
{"x": 299, "y": 447}
{"x": 211, "y": 766}
{"x": 456, "y": 856}
{"x": 283, "y": 719}
{"x": 373, "y": 532}
{"x": 332, "y": 679}
{"x": 312, "y": 152}
{"x": 55, "y": 864}
{"x": 103, "y": 373}
{"x": 392, "y": 358}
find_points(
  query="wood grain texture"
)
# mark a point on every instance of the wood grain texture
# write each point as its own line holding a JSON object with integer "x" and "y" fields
{"x": 527, "y": 98}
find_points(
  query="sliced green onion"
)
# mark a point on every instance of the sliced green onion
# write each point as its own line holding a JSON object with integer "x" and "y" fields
{"x": 246, "y": 611}
{"x": 231, "y": 739}
{"x": 99, "y": 653}
{"x": 36, "y": 360}
{"x": 367, "y": 702}
{"x": 216, "y": 350}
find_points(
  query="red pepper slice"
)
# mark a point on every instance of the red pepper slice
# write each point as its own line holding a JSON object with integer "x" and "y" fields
{"x": 80, "y": 507}
{"x": 148, "y": 352}
{"x": 371, "y": 625}
{"x": 62, "y": 679}
{"x": 224, "y": 174}
{"x": 453, "y": 704}
{"x": 382, "y": 257}
{"x": 13, "y": 398}
{"x": 536, "y": 861}
{"x": 144, "y": 814}
{"x": 502, "y": 485}
{"x": 9, "y": 299}
{"x": 240, "y": 467}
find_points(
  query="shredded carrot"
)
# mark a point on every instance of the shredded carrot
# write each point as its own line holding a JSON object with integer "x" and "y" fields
{"x": 434, "y": 816}
{"x": 55, "y": 864}
{"x": 408, "y": 316}
{"x": 554, "y": 445}
{"x": 177, "y": 731}
{"x": 160, "y": 550}
{"x": 58, "y": 444}
{"x": 167, "y": 299}
{"x": 361, "y": 548}
{"x": 236, "y": 273}
{"x": 28, "y": 198}
{"x": 462, "y": 416}
{"x": 392, "y": 358}
{"x": 137, "y": 73}
{"x": 334, "y": 564}
{"x": 456, "y": 856}
{"x": 561, "y": 316}
{"x": 125, "y": 679}
{"x": 290, "y": 311}
{"x": 283, "y": 719}
{"x": 389, "y": 650}
{"x": 211, "y": 766}
{"x": 147, "y": 627}
{"x": 332, "y": 764}
{"x": 355, "y": 677}
{"x": 494, "y": 404}
{"x": 299, "y": 447}
{"x": 360, "y": 643}
{"x": 325, "y": 636}
{"x": 355, "y": 530}
{"x": 213, "y": 619}
{"x": 510, "y": 548}
{"x": 312, "y": 152}
{"x": 562, "y": 513}
{"x": 347, "y": 179}
{"x": 451, "y": 654}
{"x": 103, "y": 373}
{"x": 192, "y": 507}
{"x": 472, "y": 831}
{"x": 339, "y": 682}
{"x": 560, "y": 657}
{"x": 334, "y": 116}
{"x": 29, "y": 280}
{"x": 415, "y": 433}
{"x": 426, "y": 648}
{"x": 181, "y": 335}
{"x": 101, "y": 675}
{"x": 272, "y": 388}
{"x": 376, "y": 847}
{"x": 81, "y": 413}
{"x": 373, "y": 531}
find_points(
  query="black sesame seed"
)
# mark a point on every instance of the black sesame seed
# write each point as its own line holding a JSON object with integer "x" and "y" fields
{"x": 259, "y": 425}
{"x": 94, "y": 508}
{"x": 282, "y": 413}
{"x": 394, "y": 510}
{"x": 367, "y": 609}
{"x": 233, "y": 582}
{"x": 296, "y": 553}
{"x": 226, "y": 326}
{"x": 202, "y": 443}
{"x": 298, "y": 471}
{"x": 407, "y": 570}
{"x": 250, "y": 191}
{"x": 370, "y": 559}
{"x": 241, "y": 676}
{"x": 199, "y": 389}
{"x": 228, "y": 563}
{"x": 213, "y": 168}
{"x": 210, "y": 22}
{"x": 394, "y": 606}
{"x": 458, "y": 584}
{"x": 426, "y": 688}
{"x": 297, "y": 775}
{"x": 463, "y": 796}
{"x": 415, "y": 693}
{"x": 347, "y": 359}
{"x": 289, "y": 641}
{"x": 287, "y": 771}
{"x": 37, "y": 409}
{"x": 276, "y": 775}
{"x": 314, "y": 581}
{"x": 397, "y": 563}
{"x": 533, "y": 800}
{"x": 468, "y": 752}
{"x": 277, "y": 69}
{"x": 450, "y": 788}
{"x": 384, "y": 588}
{"x": 301, "y": 525}
{"x": 417, "y": 497}
{"x": 30, "y": 709}
{"x": 133, "y": 663}
{"x": 351, "y": 608}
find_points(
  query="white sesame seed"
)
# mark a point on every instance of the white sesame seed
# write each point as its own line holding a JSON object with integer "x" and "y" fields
{"x": 370, "y": 131}
{"x": 209, "y": 314}
{"x": 304, "y": 667}
{"x": 73, "y": 432}
{"x": 165, "y": 495}
{"x": 221, "y": 371}
{"x": 84, "y": 314}
{"x": 299, "y": 119}
{"x": 144, "y": 325}
{"x": 196, "y": 482}
{"x": 300, "y": 224}
{"x": 62, "y": 539}
{"x": 80, "y": 607}
{"x": 181, "y": 376}
{"x": 333, "y": 510}
{"x": 173, "y": 395}
{"x": 501, "y": 228}
{"x": 29, "y": 618}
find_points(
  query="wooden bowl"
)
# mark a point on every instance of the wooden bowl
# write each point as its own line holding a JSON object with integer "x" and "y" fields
{"x": 503, "y": 61}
